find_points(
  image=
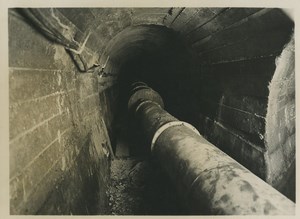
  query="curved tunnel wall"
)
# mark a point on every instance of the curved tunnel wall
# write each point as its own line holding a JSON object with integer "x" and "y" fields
{"x": 221, "y": 88}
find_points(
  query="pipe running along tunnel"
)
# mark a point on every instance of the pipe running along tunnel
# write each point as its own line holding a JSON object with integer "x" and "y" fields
{"x": 210, "y": 182}
{"x": 78, "y": 124}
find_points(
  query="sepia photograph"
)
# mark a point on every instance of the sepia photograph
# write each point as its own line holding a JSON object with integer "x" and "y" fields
{"x": 151, "y": 111}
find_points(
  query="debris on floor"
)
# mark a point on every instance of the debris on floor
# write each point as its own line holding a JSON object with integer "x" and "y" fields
{"x": 138, "y": 188}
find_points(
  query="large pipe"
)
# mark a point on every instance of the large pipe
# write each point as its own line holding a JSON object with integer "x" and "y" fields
{"x": 208, "y": 180}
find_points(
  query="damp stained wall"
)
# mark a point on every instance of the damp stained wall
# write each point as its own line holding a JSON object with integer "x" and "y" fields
{"x": 59, "y": 143}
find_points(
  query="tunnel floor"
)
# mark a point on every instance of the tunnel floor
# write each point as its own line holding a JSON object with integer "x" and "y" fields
{"x": 138, "y": 188}
{"x": 138, "y": 185}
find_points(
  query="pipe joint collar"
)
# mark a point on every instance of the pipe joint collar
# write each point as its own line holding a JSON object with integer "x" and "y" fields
{"x": 168, "y": 125}
{"x": 144, "y": 102}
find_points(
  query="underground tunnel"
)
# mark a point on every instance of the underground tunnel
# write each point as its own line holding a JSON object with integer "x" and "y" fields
{"x": 151, "y": 111}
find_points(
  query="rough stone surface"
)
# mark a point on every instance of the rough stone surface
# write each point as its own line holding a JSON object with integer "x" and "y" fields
{"x": 138, "y": 187}
{"x": 59, "y": 149}
{"x": 280, "y": 122}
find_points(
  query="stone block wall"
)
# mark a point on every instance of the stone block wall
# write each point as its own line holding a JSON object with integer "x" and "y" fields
{"x": 59, "y": 146}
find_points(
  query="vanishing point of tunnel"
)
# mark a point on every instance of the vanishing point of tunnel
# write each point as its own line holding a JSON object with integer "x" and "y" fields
{"x": 151, "y": 111}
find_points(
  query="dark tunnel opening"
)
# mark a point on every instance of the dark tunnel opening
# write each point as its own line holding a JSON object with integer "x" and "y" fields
{"x": 160, "y": 66}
